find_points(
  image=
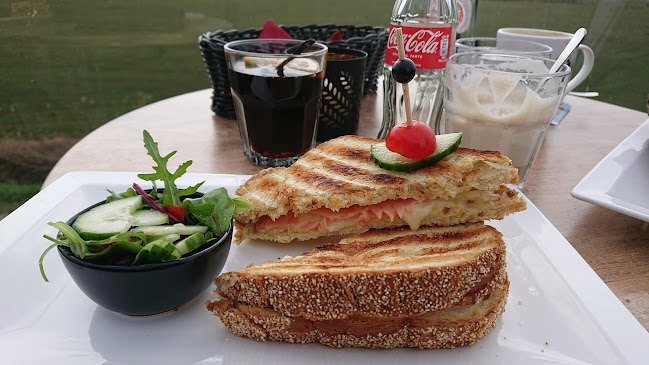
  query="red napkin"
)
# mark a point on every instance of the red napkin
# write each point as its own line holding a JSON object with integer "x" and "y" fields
{"x": 335, "y": 37}
{"x": 272, "y": 30}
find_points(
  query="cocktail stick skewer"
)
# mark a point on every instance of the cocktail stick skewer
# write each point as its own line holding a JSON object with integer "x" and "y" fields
{"x": 406, "y": 89}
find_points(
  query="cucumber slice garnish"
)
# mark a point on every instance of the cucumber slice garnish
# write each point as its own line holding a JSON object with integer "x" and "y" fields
{"x": 108, "y": 219}
{"x": 382, "y": 156}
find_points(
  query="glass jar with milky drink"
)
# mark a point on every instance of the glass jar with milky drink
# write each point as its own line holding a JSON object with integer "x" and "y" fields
{"x": 502, "y": 102}
{"x": 276, "y": 97}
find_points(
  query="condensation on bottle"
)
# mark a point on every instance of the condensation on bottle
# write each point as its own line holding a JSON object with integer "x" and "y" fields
{"x": 429, "y": 32}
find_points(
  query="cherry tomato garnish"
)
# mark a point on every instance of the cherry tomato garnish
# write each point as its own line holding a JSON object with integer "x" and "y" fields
{"x": 177, "y": 211}
{"x": 416, "y": 141}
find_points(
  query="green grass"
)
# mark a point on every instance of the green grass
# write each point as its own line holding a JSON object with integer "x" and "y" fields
{"x": 78, "y": 64}
{"x": 14, "y": 195}
{"x": 17, "y": 193}
{"x": 84, "y": 63}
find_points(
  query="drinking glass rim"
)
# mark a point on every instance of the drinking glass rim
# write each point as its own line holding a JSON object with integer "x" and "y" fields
{"x": 228, "y": 48}
{"x": 546, "y": 33}
{"x": 563, "y": 70}
{"x": 542, "y": 47}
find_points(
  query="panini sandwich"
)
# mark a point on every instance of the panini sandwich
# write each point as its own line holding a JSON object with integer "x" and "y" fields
{"x": 430, "y": 288}
{"x": 336, "y": 189}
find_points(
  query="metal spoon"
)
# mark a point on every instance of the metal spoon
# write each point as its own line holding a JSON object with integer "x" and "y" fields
{"x": 585, "y": 94}
{"x": 570, "y": 47}
{"x": 301, "y": 48}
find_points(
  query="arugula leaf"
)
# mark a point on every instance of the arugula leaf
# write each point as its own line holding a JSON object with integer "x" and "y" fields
{"x": 114, "y": 196}
{"x": 171, "y": 195}
{"x": 40, "y": 260}
{"x": 154, "y": 191}
{"x": 122, "y": 242}
{"x": 76, "y": 244}
{"x": 80, "y": 248}
{"x": 214, "y": 209}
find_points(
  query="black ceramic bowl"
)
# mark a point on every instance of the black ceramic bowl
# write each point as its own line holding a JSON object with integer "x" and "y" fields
{"x": 148, "y": 289}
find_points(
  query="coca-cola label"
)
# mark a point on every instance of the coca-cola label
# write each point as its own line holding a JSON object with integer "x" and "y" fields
{"x": 428, "y": 48}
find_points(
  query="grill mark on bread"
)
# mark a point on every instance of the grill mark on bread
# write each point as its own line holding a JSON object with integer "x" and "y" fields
{"x": 320, "y": 182}
{"x": 370, "y": 249}
{"x": 349, "y": 148}
{"x": 326, "y": 285}
{"x": 342, "y": 177}
{"x": 438, "y": 240}
{"x": 338, "y": 174}
{"x": 362, "y": 174}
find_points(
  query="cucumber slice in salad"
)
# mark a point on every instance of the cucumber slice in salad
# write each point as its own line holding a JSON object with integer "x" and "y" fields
{"x": 177, "y": 228}
{"x": 149, "y": 217}
{"x": 156, "y": 252}
{"x": 108, "y": 219}
{"x": 171, "y": 237}
{"x": 382, "y": 156}
{"x": 190, "y": 243}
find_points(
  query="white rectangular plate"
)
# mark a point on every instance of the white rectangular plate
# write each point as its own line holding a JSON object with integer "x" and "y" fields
{"x": 558, "y": 310}
{"x": 620, "y": 181}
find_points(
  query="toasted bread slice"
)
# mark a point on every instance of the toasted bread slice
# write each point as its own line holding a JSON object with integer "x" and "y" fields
{"x": 457, "y": 325}
{"x": 393, "y": 272}
{"x": 346, "y": 193}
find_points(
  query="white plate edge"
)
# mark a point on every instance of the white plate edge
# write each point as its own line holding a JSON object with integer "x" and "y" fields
{"x": 606, "y": 310}
{"x": 582, "y": 192}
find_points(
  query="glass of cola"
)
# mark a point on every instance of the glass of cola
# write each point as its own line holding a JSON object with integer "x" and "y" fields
{"x": 277, "y": 96}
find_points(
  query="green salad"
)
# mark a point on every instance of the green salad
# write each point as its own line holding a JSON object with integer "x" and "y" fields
{"x": 138, "y": 227}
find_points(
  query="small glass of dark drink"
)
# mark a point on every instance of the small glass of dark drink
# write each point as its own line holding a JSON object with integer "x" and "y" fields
{"x": 276, "y": 97}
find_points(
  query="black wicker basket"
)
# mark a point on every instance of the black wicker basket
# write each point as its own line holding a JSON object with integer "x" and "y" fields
{"x": 369, "y": 39}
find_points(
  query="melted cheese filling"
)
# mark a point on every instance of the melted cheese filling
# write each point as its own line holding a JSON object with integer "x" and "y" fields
{"x": 412, "y": 211}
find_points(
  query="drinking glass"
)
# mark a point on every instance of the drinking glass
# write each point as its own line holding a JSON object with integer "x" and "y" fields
{"x": 276, "y": 97}
{"x": 502, "y": 102}
{"x": 513, "y": 46}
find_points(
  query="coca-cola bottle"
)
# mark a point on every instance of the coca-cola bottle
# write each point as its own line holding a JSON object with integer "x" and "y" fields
{"x": 429, "y": 28}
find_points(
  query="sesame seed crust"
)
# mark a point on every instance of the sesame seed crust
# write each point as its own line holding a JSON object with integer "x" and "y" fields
{"x": 393, "y": 273}
{"x": 458, "y": 325}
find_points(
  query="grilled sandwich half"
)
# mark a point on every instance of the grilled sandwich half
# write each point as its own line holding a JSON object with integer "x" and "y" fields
{"x": 336, "y": 189}
{"x": 434, "y": 287}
